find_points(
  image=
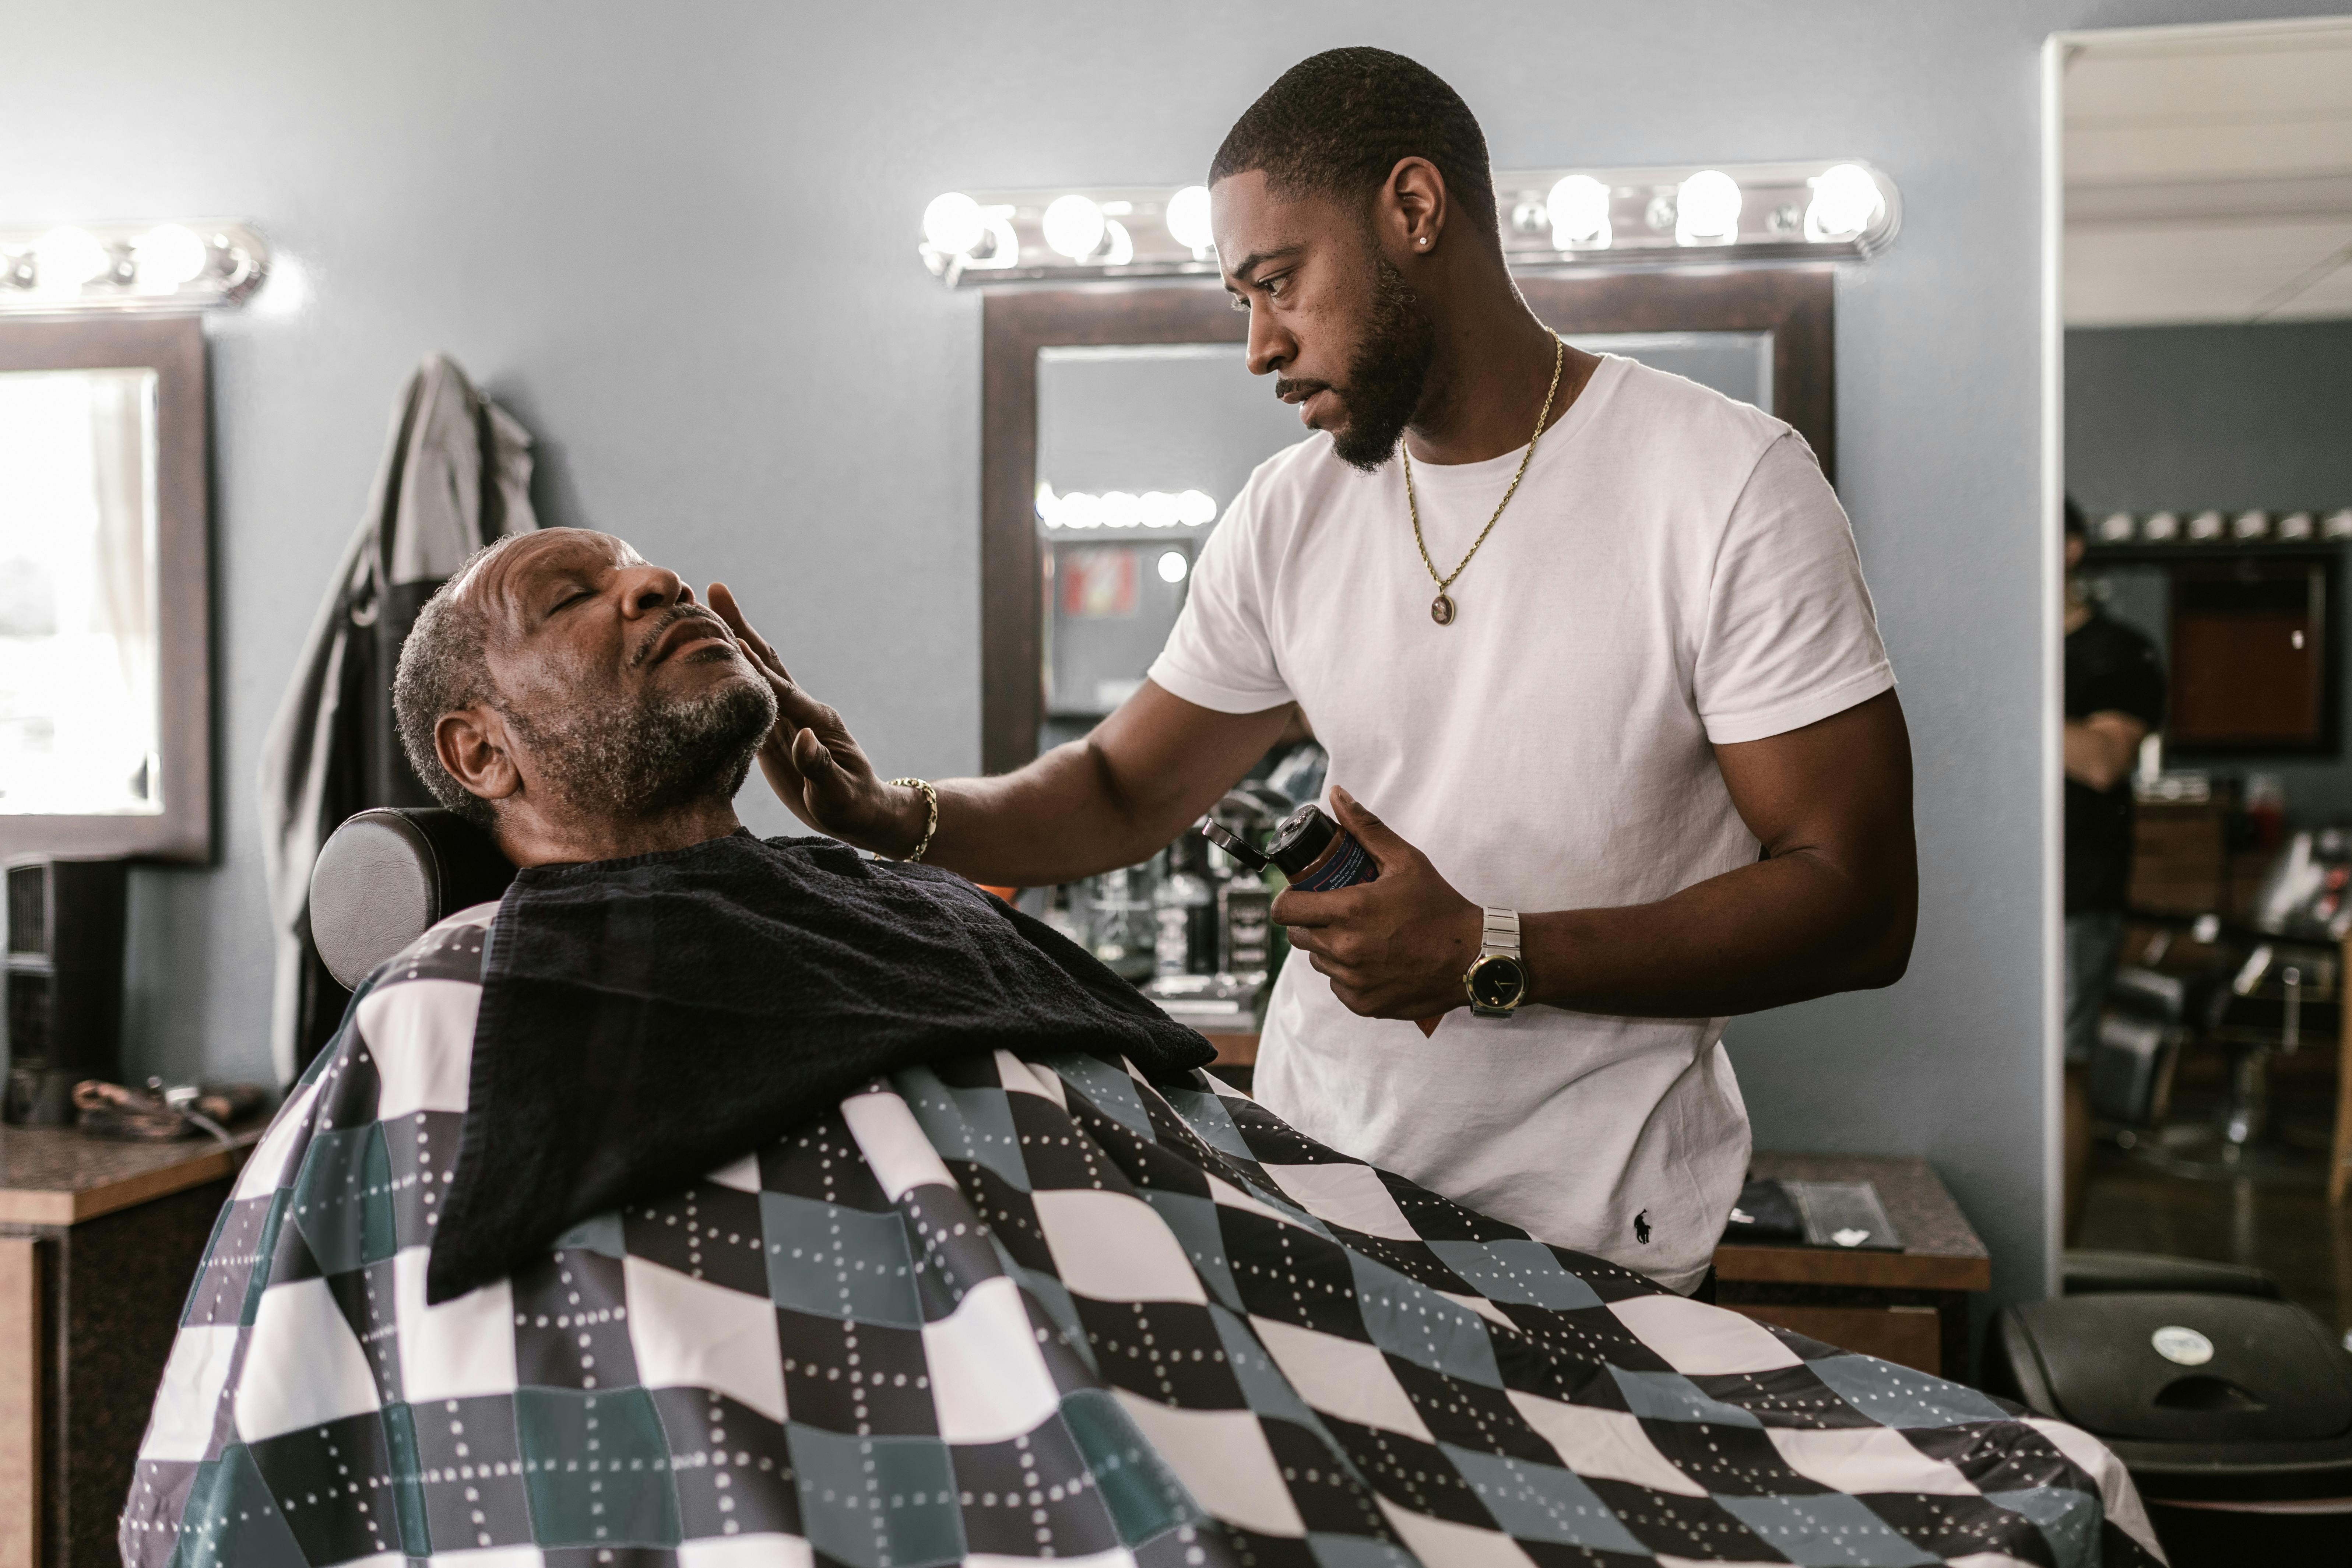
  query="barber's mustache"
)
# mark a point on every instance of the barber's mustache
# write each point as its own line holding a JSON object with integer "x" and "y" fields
{"x": 1293, "y": 391}
{"x": 670, "y": 617}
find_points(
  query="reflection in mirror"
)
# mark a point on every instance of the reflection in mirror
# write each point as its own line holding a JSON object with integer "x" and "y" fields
{"x": 79, "y": 662}
{"x": 1141, "y": 448}
{"x": 1737, "y": 365}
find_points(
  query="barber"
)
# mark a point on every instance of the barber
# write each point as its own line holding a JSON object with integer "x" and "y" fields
{"x": 1594, "y": 641}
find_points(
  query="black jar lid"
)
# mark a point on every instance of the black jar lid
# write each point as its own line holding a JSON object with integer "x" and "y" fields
{"x": 1301, "y": 839}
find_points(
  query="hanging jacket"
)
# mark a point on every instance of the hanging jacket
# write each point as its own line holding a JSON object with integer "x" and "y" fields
{"x": 455, "y": 477}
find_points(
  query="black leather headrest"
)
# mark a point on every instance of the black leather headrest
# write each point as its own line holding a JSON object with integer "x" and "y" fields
{"x": 389, "y": 874}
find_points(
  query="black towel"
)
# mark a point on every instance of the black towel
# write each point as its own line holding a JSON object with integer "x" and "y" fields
{"x": 1763, "y": 1214}
{"x": 644, "y": 1021}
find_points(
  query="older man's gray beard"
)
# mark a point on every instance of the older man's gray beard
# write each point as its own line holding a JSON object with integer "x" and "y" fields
{"x": 632, "y": 763}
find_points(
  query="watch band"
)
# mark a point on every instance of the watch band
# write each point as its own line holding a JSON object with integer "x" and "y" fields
{"x": 1499, "y": 934}
{"x": 1499, "y": 944}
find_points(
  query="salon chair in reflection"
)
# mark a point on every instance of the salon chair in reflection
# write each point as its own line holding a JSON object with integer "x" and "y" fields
{"x": 2250, "y": 993}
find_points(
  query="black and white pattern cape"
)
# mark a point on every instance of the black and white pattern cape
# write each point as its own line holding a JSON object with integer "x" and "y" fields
{"x": 1005, "y": 1311}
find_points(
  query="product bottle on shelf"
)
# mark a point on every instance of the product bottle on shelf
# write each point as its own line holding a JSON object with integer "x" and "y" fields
{"x": 1185, "y": 912}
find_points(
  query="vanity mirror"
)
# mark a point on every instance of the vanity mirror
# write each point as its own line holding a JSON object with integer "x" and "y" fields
{"x": 105, "y": 702}
{"x": 1119, "y": 421}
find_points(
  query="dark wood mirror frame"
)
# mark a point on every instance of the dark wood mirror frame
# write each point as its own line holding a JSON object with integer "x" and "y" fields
{"x": 1794, "y": 304}
{"x": 173, "y": 347}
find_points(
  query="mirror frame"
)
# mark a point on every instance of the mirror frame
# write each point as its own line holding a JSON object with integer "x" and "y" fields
{"x": 1795, "y": 304}
{"x": 173, "y": 347}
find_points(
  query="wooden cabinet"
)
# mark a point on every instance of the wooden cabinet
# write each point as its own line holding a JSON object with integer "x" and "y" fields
{"x": 99, "y": 1243}
{"x": 1909, "y": 1307}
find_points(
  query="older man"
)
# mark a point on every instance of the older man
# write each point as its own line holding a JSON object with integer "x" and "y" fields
{"x": 1061, "y": 1297}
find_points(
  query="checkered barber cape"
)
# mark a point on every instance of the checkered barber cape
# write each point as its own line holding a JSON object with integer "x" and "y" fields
{"x": 1006, "y": 1311}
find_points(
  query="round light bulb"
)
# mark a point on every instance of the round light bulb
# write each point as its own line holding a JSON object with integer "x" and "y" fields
{"x": 168, "y": 255}
{"x": 1188, "y": 218}
{"x": 1173, "y": 566}
{"x": 1159, "y": 509}
{"x": 66, "y": 259}
{"x": 1579, "y": 207}
{"x": 1707, "y": 209}
{"x": 952, "y": 224}
{"x": 1074, "y": 227}
{"x": 1195, "y": 508}
{"x": 1846, "y": 201}
{"x": 1121, "y": 510}
{"x": 1081, "y": 509}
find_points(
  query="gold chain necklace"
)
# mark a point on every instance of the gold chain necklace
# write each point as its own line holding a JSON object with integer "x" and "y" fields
{"x": 1441, "y": 608}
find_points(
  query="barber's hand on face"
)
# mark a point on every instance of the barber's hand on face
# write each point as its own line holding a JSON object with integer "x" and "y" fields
{"x": 1394, "y": 948}
{"x": 810, "y": 760}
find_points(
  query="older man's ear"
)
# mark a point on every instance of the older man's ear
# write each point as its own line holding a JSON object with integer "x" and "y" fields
{"x": 474, "y": 747}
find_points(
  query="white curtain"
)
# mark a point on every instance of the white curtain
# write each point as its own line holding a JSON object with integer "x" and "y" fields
{"x": 123, "y": 477}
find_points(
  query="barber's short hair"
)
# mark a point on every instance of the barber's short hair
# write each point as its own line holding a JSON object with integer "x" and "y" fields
{"x": 1338, "y": 123}
{"x": 443, "y": 667}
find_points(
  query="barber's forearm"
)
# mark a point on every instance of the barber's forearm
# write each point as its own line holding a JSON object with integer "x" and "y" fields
{"x": 1141, "y": 777}
{"x": 1065, "y": 816}
{"x": 1781, "y": 930}
{"x": 2099, "y": 752}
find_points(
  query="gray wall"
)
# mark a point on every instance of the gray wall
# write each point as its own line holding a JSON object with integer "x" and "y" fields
{"x": 678, "y": 241}
{"x": 2183, "y": 419}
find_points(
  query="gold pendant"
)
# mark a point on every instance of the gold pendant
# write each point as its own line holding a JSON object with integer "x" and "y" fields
{"x": 1440, "y": 610}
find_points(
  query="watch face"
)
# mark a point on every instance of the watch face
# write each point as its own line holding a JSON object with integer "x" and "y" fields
{"x": 1498, "y": 981}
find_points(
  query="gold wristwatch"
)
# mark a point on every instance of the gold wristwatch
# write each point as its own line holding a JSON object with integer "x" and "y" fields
{"x": 1496, "y": 979}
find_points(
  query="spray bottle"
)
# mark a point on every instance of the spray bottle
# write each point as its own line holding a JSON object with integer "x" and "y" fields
{"x": 1313, "y": 852}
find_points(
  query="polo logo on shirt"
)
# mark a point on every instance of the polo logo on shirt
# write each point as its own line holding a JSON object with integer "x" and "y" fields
{"x": 1642, "y": 1228}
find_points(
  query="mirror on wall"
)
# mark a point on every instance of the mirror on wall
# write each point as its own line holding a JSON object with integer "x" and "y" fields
{"x": 2246, "y": 643}
{"x": 78, "y": 722}
{"x": 104, "y": 698}
{"x": 1142, "y": 446}
{"x": 1120, "y": 422}
{"x": 2205, "y": 347}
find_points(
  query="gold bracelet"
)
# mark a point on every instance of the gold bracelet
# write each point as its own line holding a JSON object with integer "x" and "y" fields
{"x": 931, "y": 799}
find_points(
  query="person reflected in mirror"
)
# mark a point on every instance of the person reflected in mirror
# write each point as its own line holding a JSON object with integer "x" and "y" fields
{"x": 2113, "y": 701}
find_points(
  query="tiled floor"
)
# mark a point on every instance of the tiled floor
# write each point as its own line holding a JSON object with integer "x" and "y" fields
{"x": 2288, "y": 1230}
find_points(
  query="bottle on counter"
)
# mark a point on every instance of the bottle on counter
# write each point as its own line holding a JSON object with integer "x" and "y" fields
{"x": 1245, "y": 932}
{"x": 1119, "y": 923}
{"x": 1184, "y": 913}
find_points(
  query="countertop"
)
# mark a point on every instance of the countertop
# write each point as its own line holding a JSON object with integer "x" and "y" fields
{"x": 56, "y": 1176}
{"x": 1940, "y": 1251}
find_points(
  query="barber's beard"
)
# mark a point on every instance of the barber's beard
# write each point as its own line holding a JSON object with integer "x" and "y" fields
{"x": 632, "y": 763}
{"x": 1388, "y": 374}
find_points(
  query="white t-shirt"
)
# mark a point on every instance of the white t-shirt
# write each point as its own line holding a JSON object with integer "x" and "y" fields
{"x": 1674, "y": 572}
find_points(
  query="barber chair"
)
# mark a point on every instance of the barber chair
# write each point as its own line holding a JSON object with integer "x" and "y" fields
{"x": 2231, "y": 1407}
{"x": 2149, "y": 1018}
{"x": 2255, "y": 995}
{"x": 388, "y": 875}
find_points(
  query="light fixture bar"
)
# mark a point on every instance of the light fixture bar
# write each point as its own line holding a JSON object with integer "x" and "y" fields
{"x": 129, "y": 267}
{"x": 1154, "y": 513}
{"x": 1553, "y": 220}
